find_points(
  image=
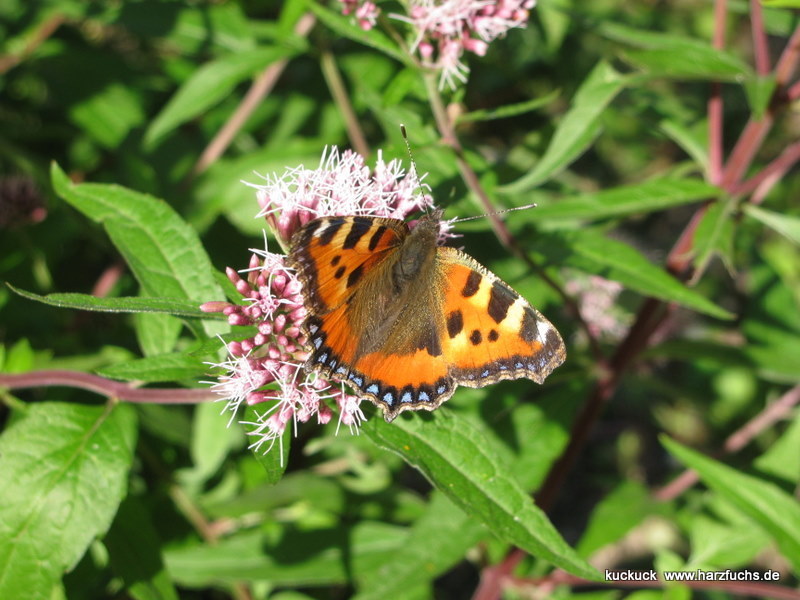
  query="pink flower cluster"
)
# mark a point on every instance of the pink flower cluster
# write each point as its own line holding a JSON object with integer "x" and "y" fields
{"x": 445, "y": 29}
{"x": 268, "y": 367}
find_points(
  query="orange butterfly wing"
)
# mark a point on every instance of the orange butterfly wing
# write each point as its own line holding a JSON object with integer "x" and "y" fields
{"x": 455, "y": 324}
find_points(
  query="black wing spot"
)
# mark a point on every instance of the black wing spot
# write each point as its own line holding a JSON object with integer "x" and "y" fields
{"x": 334, "y": 225}
{"x": 500, "y": 300}
{"x": 472, "y": 285}
{"x": 376, "y": 237}
{"x": 336, "y": 260}
{"x": 339, "y": 272}
{"x": 358, "y": 228}
{"x": 493, "y": 335}
{"x": 355, "y": 275}
{"x": 455, "y": 323}
{"x": 529, "y": 331}
{"x": 475, "y": 337}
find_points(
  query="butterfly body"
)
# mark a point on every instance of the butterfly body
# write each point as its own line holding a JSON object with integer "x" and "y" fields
{"x": 405, "y": 321}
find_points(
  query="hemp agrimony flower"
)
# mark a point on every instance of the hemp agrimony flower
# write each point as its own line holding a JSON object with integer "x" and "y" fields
{"x": 266, "y": 368}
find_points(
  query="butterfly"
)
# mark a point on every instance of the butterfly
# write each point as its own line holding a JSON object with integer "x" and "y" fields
{"x": 404, "y": 321}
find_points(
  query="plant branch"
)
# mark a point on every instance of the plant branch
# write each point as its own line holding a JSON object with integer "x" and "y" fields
{"x": 339, "y": 92}
{"x": 773, "y": 171}
{"x": 261, "y": 87}
{"x": 715, "y": 105}
{"x": 105, "y": 387}
{"x": 760, "y": 46}
{"x": 774, "y": 412}
{"x": 45, "y": 30}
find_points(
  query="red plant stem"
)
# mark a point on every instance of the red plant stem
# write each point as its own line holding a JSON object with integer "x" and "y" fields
{"x": 715, "y": 105}
{"x": 261, "y": 87}
{"x": 339, "y": 92}
{"x": 105, "y": 387}
{"x": 739, "y": 588}
{"x": 776, "y": 411}
{"x": 756, "y": 129}
{"x": 760, "y": 47}
{"x": 777, "y": 168}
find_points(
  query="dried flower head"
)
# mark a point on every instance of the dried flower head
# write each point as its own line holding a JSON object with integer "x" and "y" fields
{"x": 267, "y": 367}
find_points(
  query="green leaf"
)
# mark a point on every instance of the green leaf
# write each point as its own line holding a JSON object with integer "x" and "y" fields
{"x": 315, "y": 557}
{"x": 577, "y": 129}
{"x": 208, "y": 85}
{"x": 781, "y": 3}
{"x": 437, "y": 540}
{"x": 714, "y": 235}
{"x": 171, "y": 306}
{"x": 134, "y": 552}
{"x": 69, "y": 466}
{"x": 788, "y": 226}
{"x": 164, "y": 253}
{"x": 109, "y": 115}
{"x": 782, "y": 458}
{"x": 694, "y": 140}
{"x": 509, "y": 110}
{"x": 765, "y": 503}
{"x": 649, "y": 196}
{"x": 457, "y": 459}
{"x": 759, "y": 93}
{"x": 347, "y": 27}
{"x": 619, "y": 512}
{"x": 213, "y": 438}
{"x": 665, "y": 55}
{"x": 161, "y": 367}
{"x": 594, "y": 253}
{"x": 718, "y": 545}
{"x": 275, "y": 457}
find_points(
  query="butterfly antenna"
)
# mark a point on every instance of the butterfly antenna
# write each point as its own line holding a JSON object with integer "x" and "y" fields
{"x": 499, "y": 212}
{"x": 413, "y": 162}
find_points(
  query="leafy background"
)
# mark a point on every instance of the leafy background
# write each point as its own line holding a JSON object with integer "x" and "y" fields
{"x": 659, "y": 141}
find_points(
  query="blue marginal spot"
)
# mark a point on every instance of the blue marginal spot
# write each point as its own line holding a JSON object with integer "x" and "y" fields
{"x": 441, "y": 389}
{"x": 406, "y": 397}
{"x": 373, "y": 389}
{"x": 357, "y": 379}
{"x": 485, "y": 373}
{"x": 423, "y": 396}
{"x": 317, "y": 342}
{"x": 323, "y": 358}
{"x": 341, "y": 370}
{"x": 388, "y": 397}
{"x": 518, "y": 365}
{"x": 313, "y": 328}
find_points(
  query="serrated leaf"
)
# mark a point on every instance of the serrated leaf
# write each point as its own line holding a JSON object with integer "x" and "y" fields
{"x": 787, "y": 225}
{"x": 347, "y": 27}
{"x": 509, "y": 110}
{"x": 69, "y": 466}
{"x": 577, "y": 128}
{"x": 765, "y": 503}
{"x": 456, "y": 458}
{"x": 134, "y": 552}
{"x": 208, "y": 85}
{"x": 594, "y": 253}
{"x": 130, "y": 304}
{"x": 649, "y": 196}
{"x": 165, "y": 254}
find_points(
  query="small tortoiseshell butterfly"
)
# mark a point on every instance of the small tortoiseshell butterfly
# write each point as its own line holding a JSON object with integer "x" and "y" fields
{"x": 404, "y": 321}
